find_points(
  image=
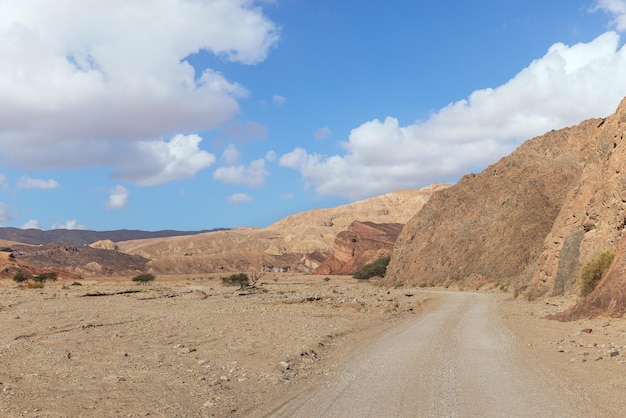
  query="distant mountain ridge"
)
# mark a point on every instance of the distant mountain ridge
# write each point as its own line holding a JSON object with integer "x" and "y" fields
{"x": 85, "y": 237}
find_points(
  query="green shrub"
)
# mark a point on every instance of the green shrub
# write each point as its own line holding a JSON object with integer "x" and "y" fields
{"x": 21, "y": 277}
{"x": 44, "y": 277}
{"x": 592, "y": 272}
{"x": 77, "y": 284}
{"x": 242, "y": 280}
{"x": 144, "y": 278}
{"x": 376, "y": 268}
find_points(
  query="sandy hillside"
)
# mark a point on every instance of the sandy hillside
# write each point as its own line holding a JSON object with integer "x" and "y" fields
{"x": 189, "y": 346}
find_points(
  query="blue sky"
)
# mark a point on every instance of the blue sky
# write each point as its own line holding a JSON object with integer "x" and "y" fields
{"x": 198, "y": 114}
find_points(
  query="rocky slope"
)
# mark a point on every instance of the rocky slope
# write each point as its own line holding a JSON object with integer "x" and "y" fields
{"x": 531, "y": 220}
{"x": 73, "y": 261}
{"x": 298, "y": 243}
{"x": 360, "y": 244}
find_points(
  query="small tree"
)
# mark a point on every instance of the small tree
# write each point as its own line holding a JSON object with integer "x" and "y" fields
{"x": 255, "y": 276}
{"x": 375, "y": 268}
{"x": 144, "y": 278}
{"x": 242, "y": 280}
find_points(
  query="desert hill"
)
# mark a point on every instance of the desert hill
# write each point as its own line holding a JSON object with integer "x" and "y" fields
{"x": 82, "y": 237}
{"x": 530, "y": 220}
{"x": 298, "y": 243}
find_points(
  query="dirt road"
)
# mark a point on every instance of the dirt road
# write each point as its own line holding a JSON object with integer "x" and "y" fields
{"x": 458, "y": 360}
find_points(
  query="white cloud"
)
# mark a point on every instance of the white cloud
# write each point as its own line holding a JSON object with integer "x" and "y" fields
{"x": 322, "y": 133}
{"x": 252, "y": 175}
{"x": 80, "y": 80}
{"x": 617, "y": 8}
{"x": 279, "y": 100}
{"x": 270, "y": 156}
{"x": 118, "y": 198}
{"x": 30, "y": 183}
{"x": 238, "y": 198}
{"x": 567, "y": 85}
{"x": 5, "y": 216}
{"x": 68, "y": 225}
{"x": 4, "y": 183}
{"x": 152, "y": 163}
{"x": 31, "y": 224}
{"x": 231, "y": 154}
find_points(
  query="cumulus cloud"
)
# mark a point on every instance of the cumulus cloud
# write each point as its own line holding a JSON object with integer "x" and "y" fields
{"x": 30, "y": 183}
{"x": 5, "y": 216}
{"x": 118, "y": 198}
{"x": 238, "y": 198}
{"x": 279, "y": 100}
{"x": 151, "y": 163}
{"x": 231, "y": 154}
{"x": 69, "y": 225}
{"x": 80, "y": 80}
{"x": 31, "y": 224}
{"x": 270, "y": 156}
{"x": 252, "y": 175}
{"x": 322, "y": 133}
{"x": 616, "y": 8}
{"x": 565, "y": 86}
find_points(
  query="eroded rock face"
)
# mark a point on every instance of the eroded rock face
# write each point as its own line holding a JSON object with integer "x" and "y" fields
{"x": 530, "y": 219}
{"x": 361, "y": 244}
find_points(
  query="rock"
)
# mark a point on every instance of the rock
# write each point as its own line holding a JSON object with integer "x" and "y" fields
{"x": 586, "y": 330}
{"x": 285, "y": 365}
{"x": 200, "y": 294}
{"x": 534, "y": 217}
{"x": 614, "y": 353}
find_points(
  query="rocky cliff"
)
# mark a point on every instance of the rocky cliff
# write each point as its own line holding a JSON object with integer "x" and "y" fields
{"x": 531, "y": 220}
{"x": 360, "y": 244}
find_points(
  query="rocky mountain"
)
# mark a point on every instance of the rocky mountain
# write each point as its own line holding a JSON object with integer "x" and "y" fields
{"x": 83, "y": 237}
{"x": 531, "y": 220}
{"x": 298, "y": 243}
{"x": 360, "y": 244}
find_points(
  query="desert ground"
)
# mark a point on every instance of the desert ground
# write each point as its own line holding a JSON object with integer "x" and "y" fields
{"x": 188, "y": 346}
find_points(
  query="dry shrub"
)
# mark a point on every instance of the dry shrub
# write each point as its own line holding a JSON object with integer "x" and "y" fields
{"x": 591, "y": 272}
{"x": 34, "y": 285}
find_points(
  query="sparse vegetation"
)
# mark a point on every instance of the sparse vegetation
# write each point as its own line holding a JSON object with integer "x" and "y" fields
{"x": 34, "y": 285}
{"x": 21, "y": 277}
{"x": 377, "y": 268}
{"x": 76, "y": 284}
{"x": 144, "y": 278}
{"x": 44, "y": 277}
{"x": 241, "y": 279}
{"x": 34, "y": 282}
{"x": 592, "y": 272}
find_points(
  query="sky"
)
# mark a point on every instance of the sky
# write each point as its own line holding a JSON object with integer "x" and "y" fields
{"x": 201, "y": 114}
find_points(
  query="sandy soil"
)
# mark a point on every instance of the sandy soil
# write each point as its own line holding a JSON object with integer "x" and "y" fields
{"x": 189, "y": 346}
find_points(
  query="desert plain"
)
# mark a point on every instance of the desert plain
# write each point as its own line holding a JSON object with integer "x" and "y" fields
{"x": 189, "y": 346}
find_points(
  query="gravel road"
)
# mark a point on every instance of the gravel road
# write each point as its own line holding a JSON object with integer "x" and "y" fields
{"x": 458, "y": 360}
